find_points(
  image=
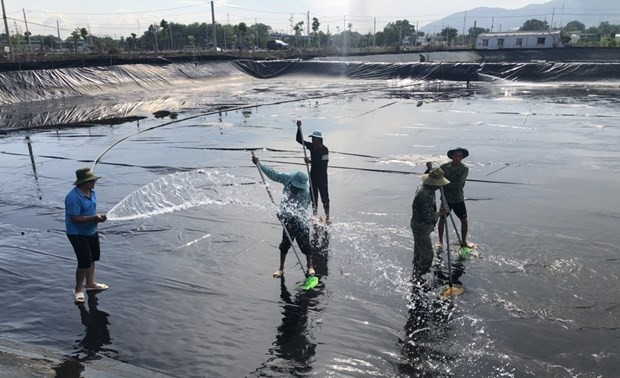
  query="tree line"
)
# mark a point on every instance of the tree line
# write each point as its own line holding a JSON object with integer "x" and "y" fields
{"x": 171, "y": 36}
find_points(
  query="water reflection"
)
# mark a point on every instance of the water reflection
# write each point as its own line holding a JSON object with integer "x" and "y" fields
{"x": 96, "y": 333}
{"x": 427, "y": 321}
{"x": 441, "y": 272}
{"x": 34, "y": 165}
{"x": 69, "y": 369}
{"x": 425, "y": 329}
{"x": 320, "y": 245}
{"x": 294, "y": 349}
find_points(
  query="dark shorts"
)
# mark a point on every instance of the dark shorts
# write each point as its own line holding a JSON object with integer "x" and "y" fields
{"x": 459, "y": 209}
{"x": 297, "y": 232}
{"x": 86, "y": 249}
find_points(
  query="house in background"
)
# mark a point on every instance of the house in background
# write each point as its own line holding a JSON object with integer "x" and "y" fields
{"x": 586, "y": 38}
{"x": 519, "y": 40}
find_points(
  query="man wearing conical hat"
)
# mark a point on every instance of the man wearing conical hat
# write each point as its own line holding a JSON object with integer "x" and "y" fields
{"x": 81, "y": 221}
{"x": 294, "y": 213}
{"x": 424, "y": 216}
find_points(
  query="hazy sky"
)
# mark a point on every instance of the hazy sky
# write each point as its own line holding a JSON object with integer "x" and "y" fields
{"x": 116, "y": 18}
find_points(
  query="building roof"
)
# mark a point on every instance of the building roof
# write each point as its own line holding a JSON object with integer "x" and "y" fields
{"x": 520, "y": 33}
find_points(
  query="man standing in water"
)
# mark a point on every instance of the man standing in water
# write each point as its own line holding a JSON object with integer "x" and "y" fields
{"x": 429, "y": 167}
{"x": 293, "y": 213}
{"x": 319, "y": 157}
{"x": 423, "y": 219}
{"x": 81, "y": 220}
{"x": 456, "y": 172}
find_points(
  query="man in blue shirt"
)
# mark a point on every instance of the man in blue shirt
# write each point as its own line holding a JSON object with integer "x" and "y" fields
{"x": 294, "y": 213}
{"x": 81, "y": 220}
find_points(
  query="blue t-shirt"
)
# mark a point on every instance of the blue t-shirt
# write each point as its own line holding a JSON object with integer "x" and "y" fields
{"x": 295, "y": 204}
{"x": 76, "y": 203}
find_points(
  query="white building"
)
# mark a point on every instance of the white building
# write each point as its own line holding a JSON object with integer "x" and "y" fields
{"x": 518, "y": 40}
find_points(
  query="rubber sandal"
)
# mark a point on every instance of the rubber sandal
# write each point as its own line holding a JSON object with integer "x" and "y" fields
{"x": 98, "y": 286}
{"x": 78, "y": 296}
{"x": 278, "y": 273}
{"x": 311, "y": 271}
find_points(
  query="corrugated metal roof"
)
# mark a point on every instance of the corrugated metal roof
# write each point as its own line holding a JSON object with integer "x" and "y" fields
{"x": 519, "y": 33}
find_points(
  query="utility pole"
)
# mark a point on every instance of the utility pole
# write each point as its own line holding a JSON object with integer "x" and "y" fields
{"x": 344, "y": 29}
{"x": 8, "y": 35}
{"x": 58, "y": 30}
{"x": 27, "y": 31}
{"x": 464, "y": 21}
{"x": 155, "y": 27}
{"x": 214, "y": 27}
{"x": 473, "y": 41}
{"x": 492, "y": 21}
{"x": 207, "y": 34}
{"x": 171, "y": 39}
{"x": 90, "y": 37}
{"x": 16, "y": 33}
{"x": 552, "y": 16}
{"x": 374, "y": 34}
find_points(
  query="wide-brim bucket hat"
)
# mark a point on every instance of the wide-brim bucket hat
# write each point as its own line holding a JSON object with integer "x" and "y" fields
{"x": 435, "y": 178}
{"x": 316, "y": 134}
{"x": 299, "y": 180}
{"x": 461, "y": 149}
{"x": 83, "y": 175}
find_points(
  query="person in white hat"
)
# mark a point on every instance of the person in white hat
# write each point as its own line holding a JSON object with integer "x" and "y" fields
{"x": 294, "y": 213}
{"x": 319, "y": 158}
{"x": 424, "y": 216}
{"x": 81, "y": 221}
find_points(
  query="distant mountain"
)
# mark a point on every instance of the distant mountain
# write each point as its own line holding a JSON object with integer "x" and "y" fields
{"x": 556, "y": 12}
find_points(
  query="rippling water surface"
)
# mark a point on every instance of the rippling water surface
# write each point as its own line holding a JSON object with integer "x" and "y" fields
{"x": 192, "y": 238}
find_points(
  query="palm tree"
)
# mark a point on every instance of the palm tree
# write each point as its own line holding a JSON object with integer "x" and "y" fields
{"x": 84, "y": 34}
{"x": 165, "y": 26}
{"x": 298, "y": 28}
{"x": 241, "y": 30}
{"x": 315, "y": 30}
{"x": 77, "y": 34}
{"x": 133, "y": 36}
{"x": 28, "y": 34}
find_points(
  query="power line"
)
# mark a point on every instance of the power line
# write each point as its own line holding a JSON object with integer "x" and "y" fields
{"x": 117, "y": 13}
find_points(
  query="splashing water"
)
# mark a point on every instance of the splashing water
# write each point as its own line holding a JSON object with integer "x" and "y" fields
{"x": 184, "y": 190}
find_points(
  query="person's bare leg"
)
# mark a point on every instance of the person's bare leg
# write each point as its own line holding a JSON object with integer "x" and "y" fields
{"x": 309, "y": 262}
{"x": 464, "y": 227}
{"x": 310, "y": 268}
{"x": 90, "y": 275}
{"x": 440, "y": 228}
{"x": 80, "y": 275}
{"x": 282, "y": 260}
